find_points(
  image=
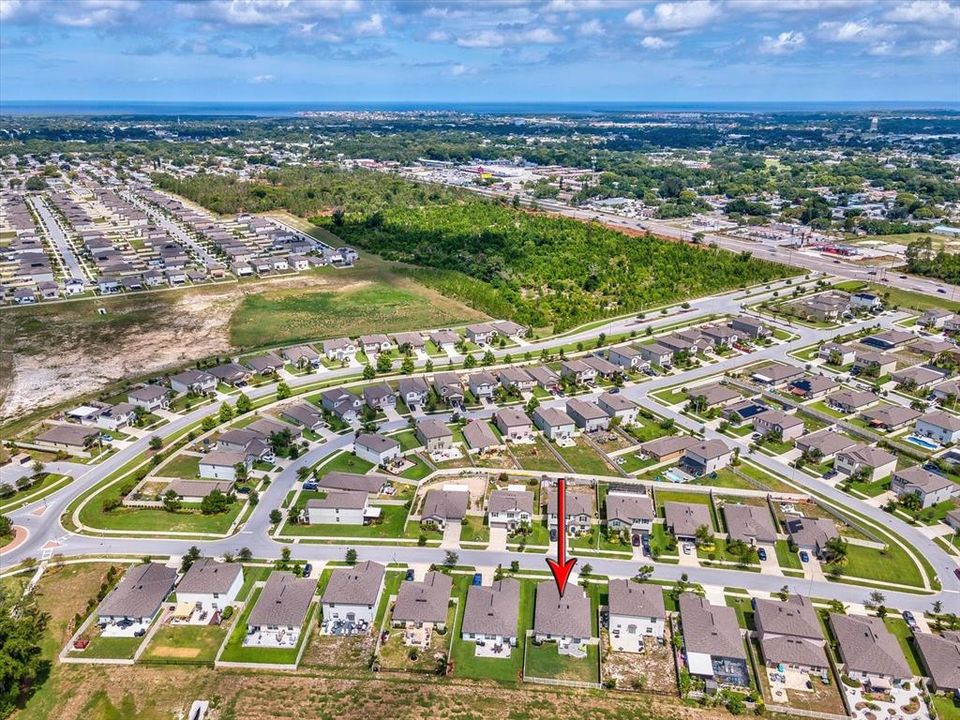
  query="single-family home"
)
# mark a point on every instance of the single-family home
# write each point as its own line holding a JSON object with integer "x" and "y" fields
{"x": 341, "y": 507}
{"x": 197, "y": 382}
{"x": 379, "y": 396}
{"x": 811, "y": 387}
{"x": 279, "y": 614}
{"x": 684, "y": 519}
{"x": 413, "y": 391}
{"x": 940, "y": 426}
{"x": 578, "y": 372}
{"x": 516, "y": 379}
{"x": 931, "y": 488}
{"x": 509, "y": 508}
{"x": 657, "y": 354}
{"x": 934, "y": 318}
{"x": 810, "y": 534}
{"x": 513, "y": 424}
{"x": 636, "y": 611}
{"x": 443, "y": 505}
{"x": 371, "y": 483}
{"x": 713, "y": 395}
{"x": 303, "y": 414}
{"x": 779, "y": 424}
{"x": 603, "y": 368}
{"x": 889, "y": 339}
{"x": 720, "y": 335}
{"x": 352, "y": 595}
{"x": 587, "y": 416}
{"x": 340, "y": 349}
{"x": 617, "y": 406}
{"x": 668, "y": 447}
{"x": 482, "y": 384}
{"x": 790, "y": 634}
{"x": 876, "y": 462}
{"x": 626, "y": 357}
{"x": 210, "y": 586}
{"x": 265, "y": 364}
{"x": 545, "y": 377}
{"x": 508, "y": 328}
{"x": 492, "y": 613}
{"x": 564, "y": 619}
{"x": 578, "y": 509}
{"x": 70, "y": 437}
{"x": 750, "y": 327}
{"x": 376, "y": 448}
{"x": 918, "y": 377}
{"x": 149, "y": 397}
{"x": 554, "y": 423}
{"x": 445, "y": 340}
{"x": 946, "y": 393}
{"x": 480, "y": 437}
{"x": 342, "y": 404}
{"x": 823, "y": 445}
{"x": 302, "y": 356}
{"x": 231, "y": 374}
{"x": 713, "y": 642}
{"x": 629, "y": 511}
{"x": 940, "y": 656}
{"x": 412, "y": 342}
{"x": 222, "y": 464}
{"x": 433, "y": 434}
{"x": 776, "y": 374}
{"x": 375, "y": 344}
{"x": 138, "y": 596}
{"x": 865, "y": 301}
{"x": 868, "y": 651}
{"x": 890, "y": 417}
{"x": 194, "y": 491}
{"x": 751, "y": 524}
{"x": 448, "y": 388}
{"x": 837, "y": 354}
{"x": 850, "y": 401}
{"x": 706, "y": 457}
{"x": 481, "y": 334}
{"x": 424, "y": 603}
{"x": 874, "y": 364}
{"x": 114, "y": 417}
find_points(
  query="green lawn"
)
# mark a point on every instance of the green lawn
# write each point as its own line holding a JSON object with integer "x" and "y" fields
{"x": 419, "y": 470}
{"x": 720, "y": 553}
{"x": 661, "y": 542}
{"x": 787, "y": 559}
{"x": 189, "y": 519}
{"x": 182, "y": 466}
{"x": 51, "y": 482}
{"x": 234, "y": 651}
{"x": 670, "y": 396}
{"x": 584, "y": 459}
{"x": 645, "y": 429}
{"x": 947, "y": 707}
{"x": 544, "y": 661}
{"x": 904, "y": 636}
{"x": 185, "y": 644}
{"x": 502, "y": 670}
{"x": 725, "y": 478}
{"x": 252, "y": 574}
{"x": 536, "y": 456}
{"x": 894, "y": 566}
{"x": 474, "y": 529}
{"x": 344, "y": 462}
{"x": 390, "y": 526}
{"x": 119, "y": 648}
{"x": 407, "y": 439}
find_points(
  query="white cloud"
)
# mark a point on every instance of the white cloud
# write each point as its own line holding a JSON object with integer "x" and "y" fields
{"x": 371, "y": 27}
{"x": 783, "y": 44}
{"x": 539, "y": 36}
{"x": 933, "y": 13}
{"x": 497, "y": 39}
{"x": 461, "y": 70}
{"x": 483, "y": 39}
{"x": 591, "y": 28}
{"x": 265, "y": 12}
{"x": 79, "y": 13}
{"x": 676, "y": 16}
{"x": 775, "y": 7}
{"x": 261, "y": 79}
{"x": 882, "y": 49}
{"x": 854, "y": 31}
{"x": 651, "y": 42}
{"x": 942, "y": 47}
{"x": 438, "y": 36}
{"x": 572, "y": 6}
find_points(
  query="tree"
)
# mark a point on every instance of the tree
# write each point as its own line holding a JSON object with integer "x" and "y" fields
{"x": 784, "y": 592}
{"x": 351, "y": 557}
{"x": 275, "y": 516}
{"x": 451, "y": 559}
{"x": 703, "y": 535}
{"x": 22, "y": 627}
{"x": 283, "y": 390}
{"x": 586, "y": 569}
{"x": 368, "y": 372}
{"x": 384, "y": 363}
{"x": 226, "y": 412}
{"x": 156, "y": 442}
{"x": 470, "y": 362}
{"x": 875, "y": 599}
{"x": 171, "y": 501}
{"x": 293, "y": 515}
{"x": 245, "y": 554}
{"x": 208, "y": 423}
{"x": 406, "y": 367}
{"x": 215, "y": 502}
{"x": 644, "y": 573}
{"x": 428, "y": 366}
{"x": 488, "y": 358}
{"x": 190, "y": 557}
{"x": 835, "y": 551}
{"x": 243, "y": 404}
{"x": 35, "y": 183}
{"x": 37, "y": 467}
{"x": 241, "y": 471}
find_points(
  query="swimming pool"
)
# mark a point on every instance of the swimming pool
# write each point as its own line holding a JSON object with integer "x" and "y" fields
{"x": 922, "y": 442}
{"x": 675, "y": 475}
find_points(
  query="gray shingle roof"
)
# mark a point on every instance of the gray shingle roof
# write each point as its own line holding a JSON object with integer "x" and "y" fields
{"x": 357, "y": 585}
{"x": 567, "y": 616}
{"x": 206, "y": 575}
{"x": 376, "y": 443}
{"x": 342, "y": 499}
{"x": 628, "y": 507}
{"x": 478, "y": 435}
{"x": 749, "y": 521}
{"x": 445, "y": 504}
{"x": 353, "y": 481}
{"x": 710, "y": 629}
{"x": 941, "y": 657}
{"x": 685, "y": 518}
{"x": 140, "y": 592}
{"x": 634, "y": 599}
{"x": 510, "y": 501}
{"x": 794, "y": 616}
{"x": 424, "y": 601}
{"x": 866, "y": 645}
{"x": 493, "y": 610}
{"x": 284, "y": 600}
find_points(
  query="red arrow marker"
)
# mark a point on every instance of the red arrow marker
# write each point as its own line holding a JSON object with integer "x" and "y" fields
{"x": 561, "y": 567}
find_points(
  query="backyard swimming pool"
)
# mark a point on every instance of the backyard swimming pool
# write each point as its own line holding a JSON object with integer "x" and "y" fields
{"x": 922, "y": 442}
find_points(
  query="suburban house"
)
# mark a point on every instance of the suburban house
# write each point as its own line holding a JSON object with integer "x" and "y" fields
{"x": 508, "y": 328}
{"x": 706, "y": 457}
{"x": 196, "y": 381}
{"x": 929, "y": 487}
{"x": 751, "y": 524}
{"x": 481, "y": 334}
{"x": 713, "y": 642}
{"x": 940, "y": 655}
{"x": 545, "y": 377}
{"x": 433, "y": 434}
{"x": 618, "y": 406}
{"x": 940, "y": 426}
{"x": 779, "y": 424}
{"x": 720, "y": 335}
{"x": 850, "y": 401}
{"x": 268, "y": 427}
{"x": 708, "y": 396}
{"x": 587, "y": 416}
{"x": 482, "y": 385}
{"x": 636, "y": 611}
{"x": 946, "y": 392}
{"x": 344, "y": 405}
{"x": 810, "y": 534}
{"x": 445, "y": 340}
{"x": 194, "y": 491}
{"x": 811, "y": 387}
{"x": 874, "y": 363}
{"x": 578, "y": 372}
{"x": 413, "y": 391}
{"x": 657, "y": 354}
{"x": 889, "y": 339}
{"x": 376, "y": 448}
{"x": 379, "y": 396}
{"x": 369, "y": 483}
{"x": 280, "y": 613}
{"x": 877, "y": 462}
{"x": 509, "y": 508}
{"x": 865, "y": 301}
{"x": 304, "y": 415}
{"x": 931, "y": 348}
{"x": 776, "y": 374}
{"x": 516, "y": 379}
{"x": 837, "y": 354}
{"x": 629, "y": 511}
{"x": 138, "y": 596}
{"x": 231, "y": 374}
{"x": 869, "y": 652}
{"x": 513, "y": 424}
{"x": 443, "y": 505}
{"x": 341, "y": 507}
{"x": 626, "y": 357}
{"x": 409, "y": 342}
{"x": 480, "y": 437}
{"x": 934, "y": 318}
{"x": 823, "y": 445}
{"x": 423, "y": 604}
{"x": 579, "y": 510}
{"x": 375, "y": 344}
{"x": 149, "y": 397}
{"x": 604, "y": 368}
{"x": 790, "y": 634}
{"x": 301, "y": 356}
{"x": 114, "y": 417}
{"x": 209, "y": 586}
{"x": 668, "y": 447}
{"x": 750, "y": 327}
{"x": 554, "y": 423}
{"x": 565, "y": 620}
{"x": 890, "y": 417}
{"x": 492, "y": 613}
{"x": 917, "y": 377}
{"x": 222, "y": 464}
{"x": 684, "y": 519}
{"x": 353, "y": 594}
{"x": 448, "y": 388}
{"x": 266, "y": 364}
{"x": 823, "y": 307}
{"x": 340, "y": 349}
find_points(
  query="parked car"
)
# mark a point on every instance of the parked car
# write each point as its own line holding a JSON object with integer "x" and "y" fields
{"x": 310, "y": 485}
{"x": 307, "y": 569}
{"x": 409, "y": 575}
{"x": 635, "y": 540}
{"x": 911, "y": 620}
{"x": 477, "y": 579}
{"x": 804, "y": 556}
{"x": 553, "y": 535}
{"x": 686, "y": 548}
{"x": 762, "y": 554}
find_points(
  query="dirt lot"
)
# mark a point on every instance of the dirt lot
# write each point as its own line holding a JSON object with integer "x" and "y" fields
{"x": 326, "y": 651}
{"x": 651, "y": 670}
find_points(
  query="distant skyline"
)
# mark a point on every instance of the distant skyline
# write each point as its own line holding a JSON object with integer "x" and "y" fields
{"x": 423, "y": 51}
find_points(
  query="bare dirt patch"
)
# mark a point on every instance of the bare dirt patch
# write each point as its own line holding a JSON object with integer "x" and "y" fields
{"x": 652, "y": 670}
{"x": 327, "y": 651}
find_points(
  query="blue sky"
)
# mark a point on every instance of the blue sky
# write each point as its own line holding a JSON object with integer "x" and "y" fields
{"x": 506, "y": 50}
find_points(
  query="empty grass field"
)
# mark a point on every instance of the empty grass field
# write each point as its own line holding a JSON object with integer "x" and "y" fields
{"x": 185, "y": 644}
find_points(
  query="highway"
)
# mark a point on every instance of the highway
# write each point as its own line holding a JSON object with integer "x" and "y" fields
{"x": 46, "y": 526}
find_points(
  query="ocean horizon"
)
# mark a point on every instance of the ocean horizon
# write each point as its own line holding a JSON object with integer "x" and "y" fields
{"x": 293, "y": 109}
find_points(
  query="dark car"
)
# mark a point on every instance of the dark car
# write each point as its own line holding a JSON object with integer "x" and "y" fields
{"x": 636, "y": 541}
{"x": 307, "y": 569}
{"x": 941, "y": 291}
{"x": 804, "y": 556}
{"x": 762, "y": 554}
{"x": 477, "y": 579}
{"x": 309, "y": 486}
{"x": 553, "y": 535}
{"x": 409, "y": 575}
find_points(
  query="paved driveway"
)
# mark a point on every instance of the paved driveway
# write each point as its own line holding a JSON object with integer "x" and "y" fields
{"x": 498, "y": 539}
{"x": 451, "y": 535}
